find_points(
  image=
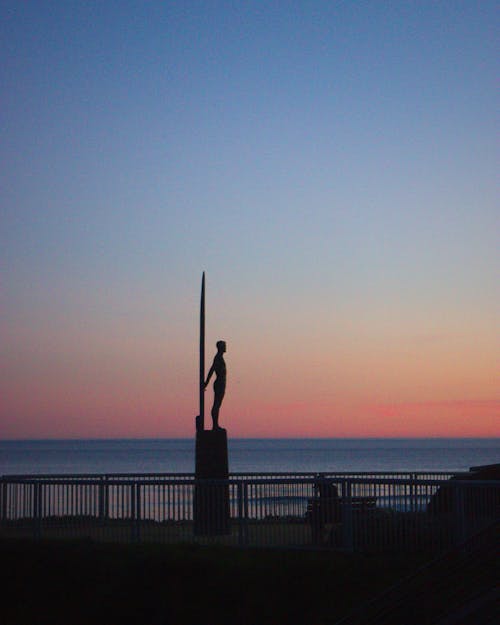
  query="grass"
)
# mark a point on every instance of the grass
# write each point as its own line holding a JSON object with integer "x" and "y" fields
{"x": 380, "y": 530}
{"x": 83, "y": 582}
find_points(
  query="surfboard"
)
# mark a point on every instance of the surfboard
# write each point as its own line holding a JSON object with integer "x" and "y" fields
{"x": 202, "y": 354}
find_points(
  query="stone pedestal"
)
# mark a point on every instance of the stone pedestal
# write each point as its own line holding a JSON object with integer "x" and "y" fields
{"x": 211, "y": 499}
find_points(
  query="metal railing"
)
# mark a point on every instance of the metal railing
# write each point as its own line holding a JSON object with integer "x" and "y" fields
{"x": 361, "y": 512}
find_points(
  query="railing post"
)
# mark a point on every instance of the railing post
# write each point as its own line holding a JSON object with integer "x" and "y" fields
{"x": 3, "y": 508}
{"x": 413, "y": 493}
{"x": 317, "y": 512}
{"x": 100, "y": 500}
{"x": 136, "y": 511}
{"x": 242, "y": 490}
{"x": 346, "y": 516}
{"x": 458, "y": 513}
{"x": 106, "y": 498}
{"x": 239, "y": 493}
{"x": 245, "y": 512}
{"x": 37, "y": 509}
{"x": 103, "y": 499}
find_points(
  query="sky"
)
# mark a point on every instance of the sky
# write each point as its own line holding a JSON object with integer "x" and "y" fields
{"x": 331, "y": 166}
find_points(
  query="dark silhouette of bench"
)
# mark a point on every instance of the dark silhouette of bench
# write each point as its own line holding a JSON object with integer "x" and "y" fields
{"x": 325, "y": 509}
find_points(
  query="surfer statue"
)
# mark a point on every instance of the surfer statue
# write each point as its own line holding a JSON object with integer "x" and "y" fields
{"x": 219, "y": 368}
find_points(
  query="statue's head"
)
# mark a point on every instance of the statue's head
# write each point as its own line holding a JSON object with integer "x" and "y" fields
{"x": 221, "y": 346}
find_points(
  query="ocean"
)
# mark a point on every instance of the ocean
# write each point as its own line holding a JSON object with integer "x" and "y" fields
{"x": 247, "y": 455}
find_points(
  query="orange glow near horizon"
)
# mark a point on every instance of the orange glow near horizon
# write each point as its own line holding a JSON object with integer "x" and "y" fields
{"x": 61, "y": 382}
{"x": 141, "y": 411}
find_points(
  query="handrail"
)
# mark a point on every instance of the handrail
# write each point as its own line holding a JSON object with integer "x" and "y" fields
{"x": 110, "y": 480}
{"x": 235, "y": 475}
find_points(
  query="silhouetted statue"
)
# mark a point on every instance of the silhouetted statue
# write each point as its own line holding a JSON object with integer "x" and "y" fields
{"x": 219, "y": 368}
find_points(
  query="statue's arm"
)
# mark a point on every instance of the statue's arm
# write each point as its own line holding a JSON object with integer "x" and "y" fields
{"x": 210, "y": 373}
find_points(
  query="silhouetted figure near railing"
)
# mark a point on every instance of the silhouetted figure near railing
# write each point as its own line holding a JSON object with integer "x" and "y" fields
{"x": 219, "y": 368}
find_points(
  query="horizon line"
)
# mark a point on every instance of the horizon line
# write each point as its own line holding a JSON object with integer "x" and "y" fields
{"x": 153, "y": 438}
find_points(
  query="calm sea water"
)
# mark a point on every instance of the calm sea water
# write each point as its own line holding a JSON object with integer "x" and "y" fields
{"x": 247, "y": 455}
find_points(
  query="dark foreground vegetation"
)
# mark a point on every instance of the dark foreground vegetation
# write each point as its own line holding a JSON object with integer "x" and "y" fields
{"x": 73, "y": 583}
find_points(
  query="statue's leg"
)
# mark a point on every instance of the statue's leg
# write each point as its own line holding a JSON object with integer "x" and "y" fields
{"x": 218, "y": 397}
{"x": 215, "y": 412}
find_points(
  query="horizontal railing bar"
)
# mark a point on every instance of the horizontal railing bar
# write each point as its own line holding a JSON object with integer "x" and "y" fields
{"x": 235, "y": 475}
{"x": 110, "y": 481}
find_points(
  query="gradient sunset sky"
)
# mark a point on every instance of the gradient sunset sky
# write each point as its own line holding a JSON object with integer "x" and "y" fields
{"x": 332, "y": 166}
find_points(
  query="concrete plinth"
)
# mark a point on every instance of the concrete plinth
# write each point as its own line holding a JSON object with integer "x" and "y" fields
{"x": 211, "y": 500}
